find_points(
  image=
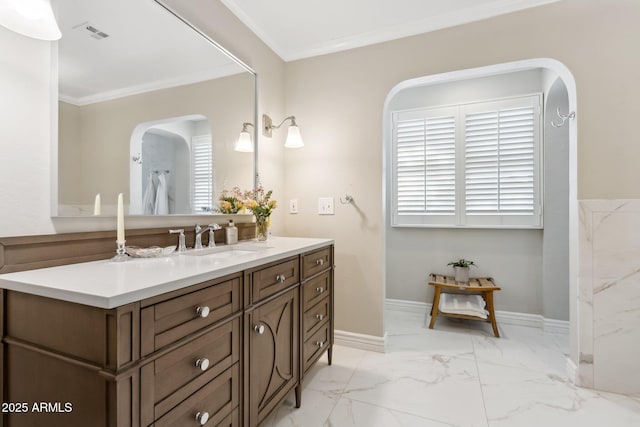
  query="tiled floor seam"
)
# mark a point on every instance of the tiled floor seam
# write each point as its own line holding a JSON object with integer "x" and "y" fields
{"x": 341, "y": 393}
{"x": 484, "y": 404}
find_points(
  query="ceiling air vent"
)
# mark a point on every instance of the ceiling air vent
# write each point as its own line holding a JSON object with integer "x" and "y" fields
{"x": 91, "y": 30}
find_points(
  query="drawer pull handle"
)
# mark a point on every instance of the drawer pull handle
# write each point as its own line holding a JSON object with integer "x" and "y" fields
{"x": 259, "y": 329}
{"x": 203, "y": 363}
{"x": 319, "y": 316}
{"x": 319, "y": 290}
{"x": 320, "y": 344}
{"x": 319, "y": 261}
{"x": 280, "y": 278}
{"x": 203, "y": 312}
{"x": 202, "y": 417}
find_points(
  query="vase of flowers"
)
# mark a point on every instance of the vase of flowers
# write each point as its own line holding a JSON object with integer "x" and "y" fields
{"x": 261, "y": 205}
{"x": 461, "y": 268}
{"x": 230, "y": 201}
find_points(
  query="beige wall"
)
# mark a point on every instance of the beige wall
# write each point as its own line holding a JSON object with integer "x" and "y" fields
{"x": 99, "y": 160}
{"x": 339, "y": 99}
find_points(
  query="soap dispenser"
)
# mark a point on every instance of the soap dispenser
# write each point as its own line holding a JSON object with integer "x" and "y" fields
{"x": 231, "y": 233}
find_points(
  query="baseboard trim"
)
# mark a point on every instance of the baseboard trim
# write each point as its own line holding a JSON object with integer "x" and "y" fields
{"x": 556, "y": 326}
{"x": 504, "y": 317}
{"x": 407, "y": 306}
{"x": 361, "y": 341}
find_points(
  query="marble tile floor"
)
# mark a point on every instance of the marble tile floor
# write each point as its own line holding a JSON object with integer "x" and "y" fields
{"x": 457, "y": 374}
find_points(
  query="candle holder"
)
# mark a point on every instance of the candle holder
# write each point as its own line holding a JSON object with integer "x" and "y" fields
{"x": 121, "y": 252}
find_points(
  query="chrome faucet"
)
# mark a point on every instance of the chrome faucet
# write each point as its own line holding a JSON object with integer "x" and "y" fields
{"x": 199, "y": 231}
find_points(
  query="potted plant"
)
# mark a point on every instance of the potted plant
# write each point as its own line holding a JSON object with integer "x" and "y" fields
{"x": 461, "y": 268}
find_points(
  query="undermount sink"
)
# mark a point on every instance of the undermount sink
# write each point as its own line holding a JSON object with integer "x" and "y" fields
{"x": 226, "y": 251}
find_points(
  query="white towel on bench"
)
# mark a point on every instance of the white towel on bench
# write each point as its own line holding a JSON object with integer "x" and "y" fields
{"x": 470, "y": 305}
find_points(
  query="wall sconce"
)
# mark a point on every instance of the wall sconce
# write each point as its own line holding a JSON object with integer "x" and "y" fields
{"x": 244, "y": 142}
{"x": 31, "y": 18}
{"x": 294, "y": 140}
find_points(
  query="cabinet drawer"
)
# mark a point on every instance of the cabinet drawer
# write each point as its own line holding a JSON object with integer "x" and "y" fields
{"x": 316, "y": 289}
{"x": 315, "y": 346}
{"x": 314, "y": 316}
{"x": 217, "y": 399}
{"x": 172, "y": 377}
{"x": 231, "y": 420}
{"x": 270, "y": 280}
{"x": 166, "y": 322}
{"x": 315, "y": 262}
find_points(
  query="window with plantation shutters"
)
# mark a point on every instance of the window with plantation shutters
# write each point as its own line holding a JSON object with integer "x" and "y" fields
{"x": 425, "y": 165}
{"x": 202, "y": 173}
{"x": 474, "y": 165}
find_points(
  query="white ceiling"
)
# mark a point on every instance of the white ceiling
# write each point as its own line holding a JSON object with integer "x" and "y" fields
{"x": 297, "y": 29}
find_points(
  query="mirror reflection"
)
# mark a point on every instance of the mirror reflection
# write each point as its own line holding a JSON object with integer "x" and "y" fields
{"x": 147, "y": 107}
{"x": 173, "y": 160}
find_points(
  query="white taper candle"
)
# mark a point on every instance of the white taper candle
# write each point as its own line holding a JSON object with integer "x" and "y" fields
{"x": 120, "y": 234}
{"x": 96, "y": 205}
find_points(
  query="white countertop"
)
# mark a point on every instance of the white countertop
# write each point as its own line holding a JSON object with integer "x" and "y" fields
{"x": 107, "y": 284}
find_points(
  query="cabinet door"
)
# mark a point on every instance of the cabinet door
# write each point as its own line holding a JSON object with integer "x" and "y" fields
{"x": 273, "y": 328}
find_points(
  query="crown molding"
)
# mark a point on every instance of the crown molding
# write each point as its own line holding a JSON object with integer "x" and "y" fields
{"x": 433, "y": 23}
{"x": 223, "y": 71}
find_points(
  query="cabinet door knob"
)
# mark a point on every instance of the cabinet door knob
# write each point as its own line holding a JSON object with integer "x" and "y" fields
{"x": 280, "y": 278}
{"x": 259, "y": 329}
{"x": 203, "y": 363}
{"x": 202, "y": 417}
{"x": 320, "y": 344}
{"x": 319, "y": 290}
{"x": 319, "y": 261}
{"x": 319, "y": 316}
{"x": 203, "y": 311}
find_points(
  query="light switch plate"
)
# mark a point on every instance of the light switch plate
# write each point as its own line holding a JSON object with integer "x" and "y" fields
{"x": 325, "y": 206}
{"x": 293, "y": 206}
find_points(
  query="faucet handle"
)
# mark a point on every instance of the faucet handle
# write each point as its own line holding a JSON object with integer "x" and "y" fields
{"x": 212, "y": 237}
{"x": 182, "y": 247}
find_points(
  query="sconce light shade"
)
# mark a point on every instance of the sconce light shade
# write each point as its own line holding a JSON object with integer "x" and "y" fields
{"x": 244, "y": 142}
{"x": 294, "y": 140}
{"x": 31, "y": 18}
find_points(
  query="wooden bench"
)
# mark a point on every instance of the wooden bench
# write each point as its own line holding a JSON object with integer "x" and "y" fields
{"x": 483, "y": 286}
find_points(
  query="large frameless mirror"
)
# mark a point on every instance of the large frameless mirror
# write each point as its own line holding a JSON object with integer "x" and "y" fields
{"x": 149, "y": 107}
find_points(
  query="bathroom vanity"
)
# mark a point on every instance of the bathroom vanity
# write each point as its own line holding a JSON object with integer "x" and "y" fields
{"x": 210, "y": 338}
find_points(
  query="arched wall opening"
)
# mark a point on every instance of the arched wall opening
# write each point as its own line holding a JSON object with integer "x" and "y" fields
{"x": 540, "y": 266}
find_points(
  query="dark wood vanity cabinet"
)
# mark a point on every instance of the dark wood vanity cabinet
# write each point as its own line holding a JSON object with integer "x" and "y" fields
{"x": 224, "y": 352}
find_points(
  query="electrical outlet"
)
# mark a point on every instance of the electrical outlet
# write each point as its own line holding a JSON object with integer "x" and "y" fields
{"x": 325, "y": 206}
{"x": 293, "y": 206}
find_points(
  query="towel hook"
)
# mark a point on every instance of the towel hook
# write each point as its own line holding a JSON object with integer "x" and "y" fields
{"x": 347, "y": 199}
{"x": 563, "y": 117}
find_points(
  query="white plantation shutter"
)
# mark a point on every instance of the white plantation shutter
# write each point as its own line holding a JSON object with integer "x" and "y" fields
{"x": 497, "y": 148}
{"x": 425, "y": 165}
{"x": 202, "y": 173}
{"x": 501, "y": 158}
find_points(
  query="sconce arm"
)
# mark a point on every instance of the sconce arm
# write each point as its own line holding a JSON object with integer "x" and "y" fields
{"x": 267, "y": 125}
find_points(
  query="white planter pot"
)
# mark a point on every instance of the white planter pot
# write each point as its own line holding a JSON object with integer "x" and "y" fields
{"x": 462, "y": 274}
